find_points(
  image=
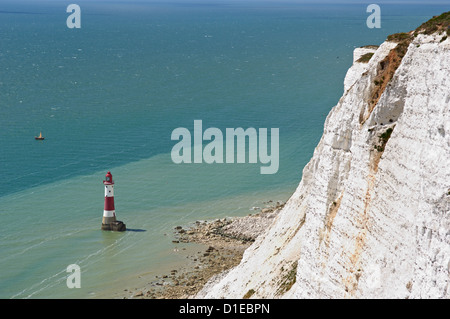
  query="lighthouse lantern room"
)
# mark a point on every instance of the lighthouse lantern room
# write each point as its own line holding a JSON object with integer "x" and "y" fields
{"x": 109, "y": 221}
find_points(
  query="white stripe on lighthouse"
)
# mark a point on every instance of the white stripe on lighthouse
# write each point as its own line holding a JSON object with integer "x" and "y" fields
{"x": 109, "y": 213}
{"x": 109, "y": 190}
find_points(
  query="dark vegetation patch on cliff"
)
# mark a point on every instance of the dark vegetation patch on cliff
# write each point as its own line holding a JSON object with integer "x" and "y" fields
{"x": 288, "y": 279}
{"x": 383, "y": 139}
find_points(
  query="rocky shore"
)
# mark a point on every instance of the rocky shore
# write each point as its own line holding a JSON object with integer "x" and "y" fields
{"x": 224, "y": 242}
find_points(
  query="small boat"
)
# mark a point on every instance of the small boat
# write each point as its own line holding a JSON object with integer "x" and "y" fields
{"x": 40, "y": 137}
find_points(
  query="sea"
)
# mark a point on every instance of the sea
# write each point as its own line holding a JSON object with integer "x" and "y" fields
{"x": 107, "y": 97}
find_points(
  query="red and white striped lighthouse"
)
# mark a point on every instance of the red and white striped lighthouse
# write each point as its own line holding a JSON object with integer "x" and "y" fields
{"x": 109, "y": 221}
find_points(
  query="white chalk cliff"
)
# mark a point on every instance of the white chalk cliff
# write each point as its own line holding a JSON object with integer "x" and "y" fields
{"x": 371, "y": 215}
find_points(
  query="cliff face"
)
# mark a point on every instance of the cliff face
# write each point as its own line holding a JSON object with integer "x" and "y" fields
{"x": 371, "y": 215}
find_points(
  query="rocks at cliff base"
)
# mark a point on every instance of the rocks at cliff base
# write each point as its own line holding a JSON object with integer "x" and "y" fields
{"x": 224, "y": 240}
{"x": 246, "y": 229}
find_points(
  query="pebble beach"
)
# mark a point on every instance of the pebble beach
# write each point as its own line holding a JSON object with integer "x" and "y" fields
{"x": 223, "y": 243}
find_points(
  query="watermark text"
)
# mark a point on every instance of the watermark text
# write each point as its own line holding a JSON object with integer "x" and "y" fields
{"x": 374, "y": 20}
{"x": 213, "y": 152}
{"x": 74, "y": 279}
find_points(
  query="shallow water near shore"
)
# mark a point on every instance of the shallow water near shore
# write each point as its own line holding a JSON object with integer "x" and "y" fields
{"x": 110, "y": 261}
{"x": 107, "y": 97}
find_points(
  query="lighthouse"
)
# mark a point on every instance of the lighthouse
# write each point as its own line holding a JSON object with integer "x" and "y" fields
{"x": 109, "y": 221}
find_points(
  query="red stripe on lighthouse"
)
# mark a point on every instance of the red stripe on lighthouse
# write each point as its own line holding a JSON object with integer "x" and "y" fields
{"x": 109, "y": 203}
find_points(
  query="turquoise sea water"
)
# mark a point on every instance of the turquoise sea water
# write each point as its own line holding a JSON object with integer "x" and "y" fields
{"x": 107, "y": 97}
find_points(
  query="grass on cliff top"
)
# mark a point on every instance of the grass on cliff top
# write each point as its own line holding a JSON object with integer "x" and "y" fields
{"x": 370, "y": 46}
{"x": 439, "y": 23}
{"x": 399, "y": 37}
{"x": 365, "y": 58}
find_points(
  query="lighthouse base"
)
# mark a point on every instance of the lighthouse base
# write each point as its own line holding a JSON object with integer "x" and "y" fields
{"x": 114, "y": 226}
